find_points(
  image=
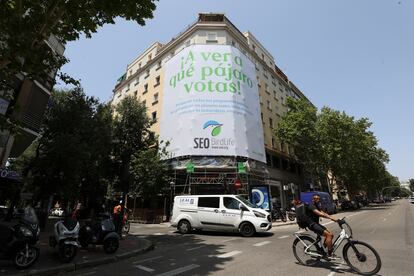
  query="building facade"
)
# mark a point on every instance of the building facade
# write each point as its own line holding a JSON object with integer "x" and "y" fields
{"x": 30, "y": 100}
{"x": 238, "y": 77}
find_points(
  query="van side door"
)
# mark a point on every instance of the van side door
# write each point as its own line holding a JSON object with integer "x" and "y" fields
{"x": 208, "y": 212}
{"x": 230, "y": 212}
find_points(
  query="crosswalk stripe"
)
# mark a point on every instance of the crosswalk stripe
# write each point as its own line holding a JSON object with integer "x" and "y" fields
{"x": 262, "y": 243}
{"x": 230, "y": 254}
{"x": 283, "y": 237}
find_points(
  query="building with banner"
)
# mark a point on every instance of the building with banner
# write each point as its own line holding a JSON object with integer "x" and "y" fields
{"x": 217, "y": 94}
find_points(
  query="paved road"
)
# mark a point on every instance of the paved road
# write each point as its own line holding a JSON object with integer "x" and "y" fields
{"x": 389, "y": 228}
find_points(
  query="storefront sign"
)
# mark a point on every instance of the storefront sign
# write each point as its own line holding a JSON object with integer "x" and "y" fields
{"x": 260, "y": 197}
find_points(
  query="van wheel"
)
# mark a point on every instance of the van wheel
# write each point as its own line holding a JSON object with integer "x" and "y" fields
{"x": 247, "y": 229}
{"x": 184, "y": 227}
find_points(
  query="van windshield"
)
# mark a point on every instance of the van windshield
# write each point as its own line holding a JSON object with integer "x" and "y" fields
{"x": 245, "y": 201}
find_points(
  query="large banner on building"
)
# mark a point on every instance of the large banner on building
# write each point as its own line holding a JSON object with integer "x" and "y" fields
{"x": 211, "y": 104}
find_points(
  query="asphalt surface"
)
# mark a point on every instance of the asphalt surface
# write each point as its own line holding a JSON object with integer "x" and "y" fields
{"x": 389, "y": 228}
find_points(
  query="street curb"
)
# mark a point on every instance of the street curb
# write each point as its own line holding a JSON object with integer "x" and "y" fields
{"x": 148, "y": 245}
{"x": 277, "y": 224}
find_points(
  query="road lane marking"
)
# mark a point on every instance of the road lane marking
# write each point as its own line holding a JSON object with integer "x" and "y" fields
{"x": 157, "y": 234}
{"x": 146, "y": 260}
{"x": 172, "y": 231}
{"x": 262, "y": 243}
{"x": 179, "y": 270}
{"x": 332, "y": 273}
{"x": 283, "y": 237}
{"x": 385, "y": 219}
{"x": 195, "y": 248}
{"x": 147, "y": 269}
{"x": 232, "y": 239}
{"x": 230, "y": 254}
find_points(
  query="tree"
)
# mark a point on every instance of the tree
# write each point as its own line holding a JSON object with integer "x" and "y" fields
{"x": 150, "y": 172}
{"x": 411, "y": 185}
{"x": 331, "y": 141}
{"x": 72, "y": 153}
{"x": 26, "y": 25}
{"x": 132, "y": 136}
{"x": 298, "y": 129}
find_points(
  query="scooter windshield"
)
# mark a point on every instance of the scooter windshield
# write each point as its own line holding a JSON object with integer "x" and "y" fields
{"x": 30, "y": 216}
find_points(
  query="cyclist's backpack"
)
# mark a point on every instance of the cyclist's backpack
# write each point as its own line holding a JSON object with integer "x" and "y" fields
{"x": 301, "y": 217}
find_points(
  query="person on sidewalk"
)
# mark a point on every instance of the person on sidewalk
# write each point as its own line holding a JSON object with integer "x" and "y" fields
{"x": 117, "y": 217}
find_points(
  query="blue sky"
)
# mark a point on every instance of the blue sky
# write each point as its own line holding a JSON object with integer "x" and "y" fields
{"x": 351, "y": 55}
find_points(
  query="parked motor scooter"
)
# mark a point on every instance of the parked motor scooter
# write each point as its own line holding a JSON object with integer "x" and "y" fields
{"x": 18, "y": 239}
{"x": 65, "y": 236}
{"x": 100, "y": 232}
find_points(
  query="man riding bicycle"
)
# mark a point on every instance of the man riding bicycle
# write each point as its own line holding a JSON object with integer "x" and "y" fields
{"x": 310, "y": 220}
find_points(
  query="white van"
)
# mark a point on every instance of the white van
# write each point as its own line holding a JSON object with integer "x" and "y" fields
{"x": 219, "y": 212}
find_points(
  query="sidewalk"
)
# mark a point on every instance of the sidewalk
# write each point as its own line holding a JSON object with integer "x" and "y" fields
{"x": 49, "y": 264}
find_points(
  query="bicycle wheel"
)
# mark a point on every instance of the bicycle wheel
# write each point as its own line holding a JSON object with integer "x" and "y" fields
{"x": 299, "y": 246}
{"x": 362, "y": 258}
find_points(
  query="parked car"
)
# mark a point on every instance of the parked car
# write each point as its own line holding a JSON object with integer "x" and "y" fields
{"x": 327, "y": 203}
{"x": 412, "y": 199}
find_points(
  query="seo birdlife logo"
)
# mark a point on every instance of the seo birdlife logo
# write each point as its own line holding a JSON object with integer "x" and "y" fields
{"x": 214, "y": 129}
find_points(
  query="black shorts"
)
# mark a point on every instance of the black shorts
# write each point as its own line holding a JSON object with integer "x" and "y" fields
{"x": 317, "y": 228}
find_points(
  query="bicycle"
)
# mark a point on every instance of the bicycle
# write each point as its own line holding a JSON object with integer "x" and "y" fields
{"x": 309, "y": 251}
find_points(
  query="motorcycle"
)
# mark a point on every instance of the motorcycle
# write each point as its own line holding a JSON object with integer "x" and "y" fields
{"x": 65, "y": 236}
{"x": 18, "y": 240}
{"x": 100, "y": 232}
{"x": 278, "y": 213}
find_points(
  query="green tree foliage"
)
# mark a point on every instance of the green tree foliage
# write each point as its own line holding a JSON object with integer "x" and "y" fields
{"x": 333, "y": 141}
{"x": 132, "y": 135}
{"x": 150, "y": 173}
{"x": 25, "y": 25}
{"x": 72, "y": 153}
{"x": 411, "y": 181}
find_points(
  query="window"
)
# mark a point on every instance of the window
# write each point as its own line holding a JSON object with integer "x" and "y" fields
{"x": 135, "y": 93}
{"x": 233, "y": 43}
{"x": 254, "y": 47}
{"x": 149, "y": 57}
{"x": 267, "y": 88}
{"x": 144, "y": 102}
{"x": 130, "y": 72}
{"x": 127, "y": 88}
{"x": 269, "y": 105}
{"x": 263, "y": 56}
{"x": 212, "y": 37}
{"x": 268, "y": 159}
{"x": 158, "y": 65}
{"x": 147, "y": 73}
{"x": 231, "y": 203}
{"x": 276, "y": 162}
{"x": 154, "y": 115}
{"x": 259, "y": 82}
{"x": 260, "y": 100}
{"x": 136, "y": 81}
{"x": 188, "y": 43}
{"x": 271, "y": 126}
{"x": 139, "y": 65}
{"x": 265, "y": 74}
{"x": 209, "y": 202}
{"x": 146, "y": 88}
{"x": 282, "y": 147}
{"x": 157, "y": 81}
{"x": 273, "y": 142}
{"x": 155, "y": 99}
{"x": 275, "y": 94}
{"x": 261, "y": 114}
